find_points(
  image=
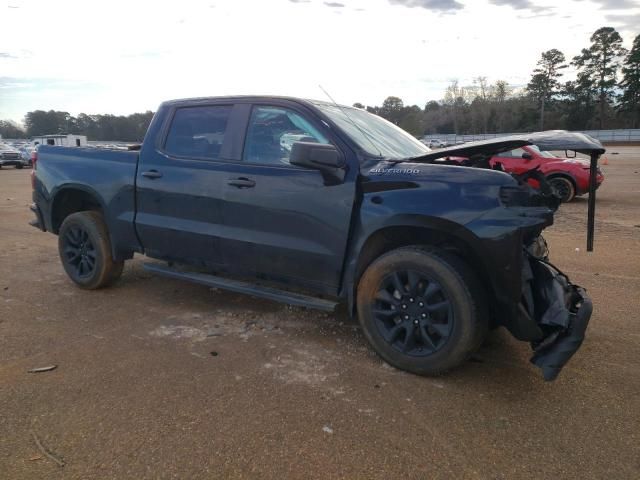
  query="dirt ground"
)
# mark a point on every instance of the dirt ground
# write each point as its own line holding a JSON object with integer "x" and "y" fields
{"x": 163, "y": 379}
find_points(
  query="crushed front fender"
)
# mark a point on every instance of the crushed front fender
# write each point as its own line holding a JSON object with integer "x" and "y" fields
{"x": 562, "y": 311}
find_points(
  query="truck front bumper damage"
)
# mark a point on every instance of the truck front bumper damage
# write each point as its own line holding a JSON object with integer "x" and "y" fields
{"x": 561, "y": 309}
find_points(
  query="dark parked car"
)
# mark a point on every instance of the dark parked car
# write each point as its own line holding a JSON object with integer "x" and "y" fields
{"x": 315, "y": 204}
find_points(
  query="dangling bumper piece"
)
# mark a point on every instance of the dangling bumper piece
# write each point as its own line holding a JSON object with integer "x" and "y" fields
{"x": 562, "y": 311}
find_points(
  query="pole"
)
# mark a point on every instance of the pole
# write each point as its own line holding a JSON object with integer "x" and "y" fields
{"x": 591, "y": 214}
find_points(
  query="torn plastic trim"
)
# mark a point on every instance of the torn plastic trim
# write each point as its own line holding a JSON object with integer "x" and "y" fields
{"x": 561, "y": 309}
{"x": 551, "y": 356}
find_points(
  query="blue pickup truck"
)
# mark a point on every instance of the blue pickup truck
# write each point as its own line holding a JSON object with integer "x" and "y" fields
{"x": 315, "y": 204}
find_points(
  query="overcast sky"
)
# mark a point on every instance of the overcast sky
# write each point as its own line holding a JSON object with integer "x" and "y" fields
{"x": 120, "y": 57}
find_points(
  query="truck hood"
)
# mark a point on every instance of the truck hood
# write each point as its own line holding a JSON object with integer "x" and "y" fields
{"x": 548, "y": 140}
{"x": 479, "y": 155}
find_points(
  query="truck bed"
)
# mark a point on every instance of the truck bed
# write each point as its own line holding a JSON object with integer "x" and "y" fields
{"x": 106, "y": 174}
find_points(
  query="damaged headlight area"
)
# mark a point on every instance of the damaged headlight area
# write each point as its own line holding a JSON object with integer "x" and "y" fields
{"x": 561, "y": 309}
{"x": 523, "y": 195}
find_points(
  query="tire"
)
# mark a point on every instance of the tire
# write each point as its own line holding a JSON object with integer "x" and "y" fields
{"x": 563, "y": 187}
{"x": 85, "y": 251}
{"x": 18, "y": 167}
{"x": 445, "y": 313}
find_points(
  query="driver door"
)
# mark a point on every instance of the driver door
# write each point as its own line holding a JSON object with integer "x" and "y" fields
{"x": 282, "y": 223}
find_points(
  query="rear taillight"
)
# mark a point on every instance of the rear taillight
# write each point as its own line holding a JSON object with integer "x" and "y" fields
{"x": 34, "y": 161}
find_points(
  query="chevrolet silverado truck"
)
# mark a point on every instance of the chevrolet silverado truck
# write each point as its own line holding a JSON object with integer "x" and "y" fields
{"x": 315, "y": 204}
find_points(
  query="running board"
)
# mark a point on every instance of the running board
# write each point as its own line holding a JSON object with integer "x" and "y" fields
{"x": 243, "y": 287}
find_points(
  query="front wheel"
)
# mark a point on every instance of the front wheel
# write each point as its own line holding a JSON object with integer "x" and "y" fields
{"x": 422, "y": 310}
{"x": 563, "y": 187}
{"x": 85, "y": 251}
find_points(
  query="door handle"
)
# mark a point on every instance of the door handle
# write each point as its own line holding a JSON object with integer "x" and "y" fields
{"x": 152, "y": 174}
{"x": 241, "y": 182}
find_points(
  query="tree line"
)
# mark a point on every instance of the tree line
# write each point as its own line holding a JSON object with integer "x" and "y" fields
{"x": 129, "y": 128}
{"x": 604, "y": 94}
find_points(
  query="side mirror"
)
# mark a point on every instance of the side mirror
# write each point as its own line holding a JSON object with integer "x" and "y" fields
{"x": 570, "y": 154}
{"x": 527, "y": 156}
{"x": 319, "y": 156}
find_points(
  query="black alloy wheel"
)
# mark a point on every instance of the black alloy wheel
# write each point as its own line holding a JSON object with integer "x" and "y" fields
{"x": 84, "y": 246}
{"x": 80, "y": 253}
{"x": 422, "y": 309}
{"x": 413, "y": 313}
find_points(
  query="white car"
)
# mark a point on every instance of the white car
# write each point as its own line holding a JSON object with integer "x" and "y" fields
{"x": 435, "y": 143}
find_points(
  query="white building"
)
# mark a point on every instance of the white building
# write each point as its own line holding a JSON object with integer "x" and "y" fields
{"x": 60, "y": 140}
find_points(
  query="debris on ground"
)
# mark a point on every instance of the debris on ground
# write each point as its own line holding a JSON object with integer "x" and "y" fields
{"x": 327, "y": 429}
{"x": 48, "y": 368}
{"x": 46, "y": 452}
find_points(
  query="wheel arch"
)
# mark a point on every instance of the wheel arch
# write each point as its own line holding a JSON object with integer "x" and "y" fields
{"x": 71, "y": 199}
{"x": 438, "y": 233}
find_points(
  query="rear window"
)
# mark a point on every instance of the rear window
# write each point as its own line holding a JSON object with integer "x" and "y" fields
{"x": 198, "y": 131}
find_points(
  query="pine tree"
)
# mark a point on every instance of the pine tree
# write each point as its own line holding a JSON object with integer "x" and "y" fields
{"x": 544, "y": 83}
{"x": 600, "y": 63}
{"x": 630, "y": 84}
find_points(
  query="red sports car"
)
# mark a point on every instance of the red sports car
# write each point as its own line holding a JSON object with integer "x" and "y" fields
{"x": 568, "y": 176}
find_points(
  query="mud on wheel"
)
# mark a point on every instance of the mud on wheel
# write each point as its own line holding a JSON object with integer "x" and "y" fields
{"x": 85, "y": 251}
{"x": 422, "y": 310}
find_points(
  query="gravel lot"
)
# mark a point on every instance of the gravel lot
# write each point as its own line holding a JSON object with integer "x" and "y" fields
{"x": 162, "y": 379}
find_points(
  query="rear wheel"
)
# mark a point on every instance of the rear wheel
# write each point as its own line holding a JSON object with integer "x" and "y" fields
{"x": 563, "y": 187}
{"x": 85, "y": 251}
{"x": 422, "y": 310}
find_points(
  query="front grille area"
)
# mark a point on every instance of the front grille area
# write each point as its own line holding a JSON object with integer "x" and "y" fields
{"x": 10, "y": 156}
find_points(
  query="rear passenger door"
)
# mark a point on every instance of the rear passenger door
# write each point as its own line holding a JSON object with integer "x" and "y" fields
{"x": 180, "y": 184}
{"x": 281, "y": 221}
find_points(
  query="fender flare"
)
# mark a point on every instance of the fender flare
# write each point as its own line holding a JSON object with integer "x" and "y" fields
{"x": 56, "y": 195}
{"x": 447, "y": 227}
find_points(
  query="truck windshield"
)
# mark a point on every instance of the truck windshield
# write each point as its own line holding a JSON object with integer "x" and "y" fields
{"x": 373, "y": 134}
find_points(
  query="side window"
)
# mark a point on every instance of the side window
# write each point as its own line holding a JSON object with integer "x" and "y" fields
{"x": 517, "y": 153}
{"x": 272, "y": 132}
{"x": 198, "y": 131}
